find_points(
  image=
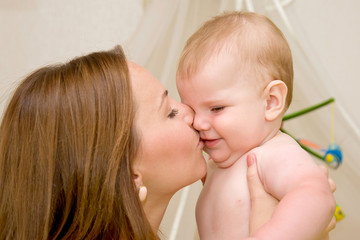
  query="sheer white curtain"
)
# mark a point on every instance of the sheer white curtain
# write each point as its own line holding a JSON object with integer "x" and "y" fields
{"x": 164, "y": 29}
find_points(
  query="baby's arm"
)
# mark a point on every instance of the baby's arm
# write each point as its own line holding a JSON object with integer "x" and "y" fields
{"x": 306, "y": 202}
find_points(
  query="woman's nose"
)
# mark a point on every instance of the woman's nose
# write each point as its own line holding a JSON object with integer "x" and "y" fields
{"x": 188, "y": 114}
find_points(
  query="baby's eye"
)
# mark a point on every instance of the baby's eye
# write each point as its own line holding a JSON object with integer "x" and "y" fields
{"x": 217, "y": 109}
{"x": 173, "y": 113}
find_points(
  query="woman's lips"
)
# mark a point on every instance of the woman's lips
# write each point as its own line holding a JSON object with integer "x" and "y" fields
{"x": 210, "y": 143}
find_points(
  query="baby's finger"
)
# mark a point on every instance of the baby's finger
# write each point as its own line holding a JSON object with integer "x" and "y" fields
{"x": 324, "y": 169}
{"x": 332, "y": 185}
{"x": 331, "y": 182}
{"x": 331, "y": 225}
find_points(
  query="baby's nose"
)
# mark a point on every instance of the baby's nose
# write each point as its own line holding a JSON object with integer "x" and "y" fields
{"x": 200, "y": 123}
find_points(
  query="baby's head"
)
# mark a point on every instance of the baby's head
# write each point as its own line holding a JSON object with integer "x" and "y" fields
{"x": 258, "y": 47}
{"x": 236, "y": 73}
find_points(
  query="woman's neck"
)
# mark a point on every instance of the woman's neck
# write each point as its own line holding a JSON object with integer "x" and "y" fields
{"x": 154, "y": 208}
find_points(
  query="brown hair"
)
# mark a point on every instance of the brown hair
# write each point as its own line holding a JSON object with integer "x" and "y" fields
{"x": 66, "y": 144}
{"x": 258, "y": 45}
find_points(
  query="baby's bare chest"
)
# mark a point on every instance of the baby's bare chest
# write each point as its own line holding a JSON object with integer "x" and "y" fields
{"x": 223, "y": 207}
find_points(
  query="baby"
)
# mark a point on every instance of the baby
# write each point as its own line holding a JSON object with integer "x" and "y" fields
{"x": 236, "y": 73}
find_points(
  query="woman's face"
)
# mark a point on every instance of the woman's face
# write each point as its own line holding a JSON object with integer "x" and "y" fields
{"x": 170, "y": 153}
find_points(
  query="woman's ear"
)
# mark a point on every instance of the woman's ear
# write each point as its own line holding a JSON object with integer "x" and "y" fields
{"x": 275, "y": 95}
{"x": 137, "y": 176}
{"x": 141, "y": 188}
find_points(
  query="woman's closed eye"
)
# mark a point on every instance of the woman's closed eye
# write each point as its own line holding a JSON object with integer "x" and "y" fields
{"x": 217, "y": 109}
{"x": 173, "y": 113}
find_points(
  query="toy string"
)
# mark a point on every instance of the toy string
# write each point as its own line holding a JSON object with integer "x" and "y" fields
{"x": 333, "y": 123}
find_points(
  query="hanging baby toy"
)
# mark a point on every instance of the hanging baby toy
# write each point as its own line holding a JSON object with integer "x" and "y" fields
{"x": 331, "y": 155}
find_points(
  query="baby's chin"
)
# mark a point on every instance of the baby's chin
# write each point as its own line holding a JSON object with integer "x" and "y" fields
{"x": 223, "y": 159}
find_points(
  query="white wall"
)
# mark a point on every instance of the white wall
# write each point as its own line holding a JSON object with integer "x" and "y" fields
{"x": 34, "y": 33}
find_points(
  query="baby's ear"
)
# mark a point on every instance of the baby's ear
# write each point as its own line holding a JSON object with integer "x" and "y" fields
{"x": 275, "y": 95}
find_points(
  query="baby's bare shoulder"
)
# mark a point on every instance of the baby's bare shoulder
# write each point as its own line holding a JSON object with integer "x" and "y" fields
{"x": 282, "y": 149}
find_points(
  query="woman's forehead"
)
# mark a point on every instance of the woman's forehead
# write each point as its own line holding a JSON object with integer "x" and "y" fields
{"x": 133, "y": 67}
{"x": 140, "y": 75}
{"x": 147, "y": 89}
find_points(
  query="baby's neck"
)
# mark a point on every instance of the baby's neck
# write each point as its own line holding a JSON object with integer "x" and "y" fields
{"x": 274, "y": 132}
{"x": 271, "y": 131}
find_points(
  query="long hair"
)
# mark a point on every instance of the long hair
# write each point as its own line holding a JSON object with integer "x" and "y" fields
{"x": 66, "y": 144}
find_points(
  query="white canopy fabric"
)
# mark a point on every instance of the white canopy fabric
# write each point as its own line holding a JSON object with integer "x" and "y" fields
{"x": 161, "y": 35}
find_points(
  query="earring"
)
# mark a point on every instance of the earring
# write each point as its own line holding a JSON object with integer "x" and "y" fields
{"x": 142, "y": 193}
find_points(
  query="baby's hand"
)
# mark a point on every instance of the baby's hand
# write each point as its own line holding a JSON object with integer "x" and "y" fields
{"x": 332, "y": 223}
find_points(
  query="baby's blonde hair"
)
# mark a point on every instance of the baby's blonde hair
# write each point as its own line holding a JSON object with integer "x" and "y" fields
{"x": 258, "y": 46}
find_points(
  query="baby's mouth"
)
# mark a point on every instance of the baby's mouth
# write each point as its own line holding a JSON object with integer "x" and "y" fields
{"x": 210, "y": 143}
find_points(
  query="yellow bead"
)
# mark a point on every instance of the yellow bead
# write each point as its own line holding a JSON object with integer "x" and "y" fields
{"x": 329, "y": 158}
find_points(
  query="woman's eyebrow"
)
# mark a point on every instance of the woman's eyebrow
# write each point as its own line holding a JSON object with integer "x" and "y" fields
{"x": 163, "y": 97}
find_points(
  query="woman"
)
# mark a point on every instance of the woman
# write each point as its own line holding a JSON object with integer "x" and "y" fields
{"x": 87, "y": 154}
{"x": 67, "y": 143}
